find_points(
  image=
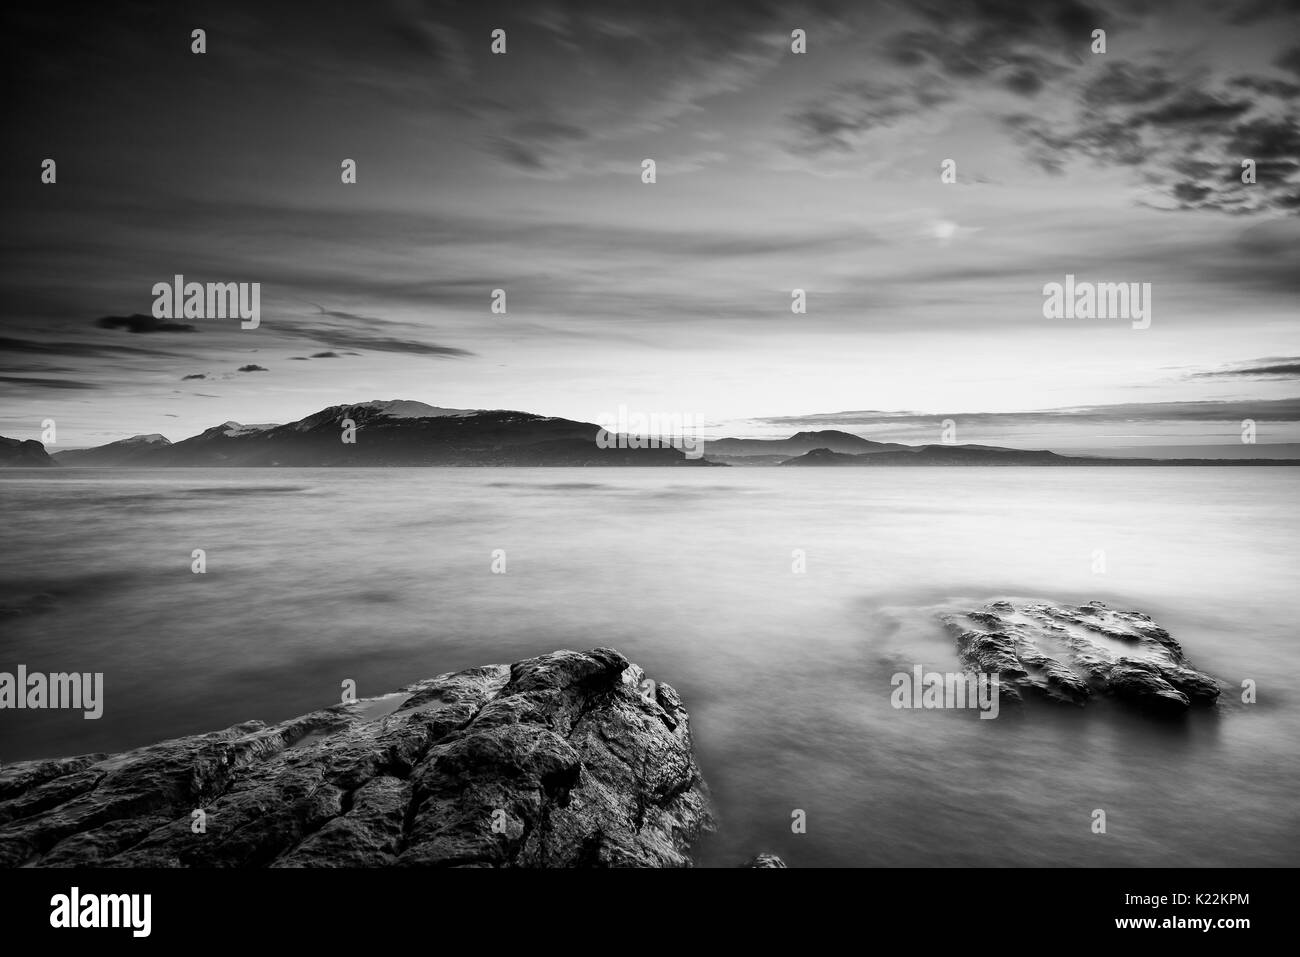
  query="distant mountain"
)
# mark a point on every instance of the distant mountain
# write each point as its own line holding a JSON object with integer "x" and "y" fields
{"x": 389, "y": 433}
{"x": 773, "y": 451}
{"x": 959, "y": 455}
{"x": 122, "y": 452}
{"x": 400, "y": 432}
{"x": 23, "y": 454}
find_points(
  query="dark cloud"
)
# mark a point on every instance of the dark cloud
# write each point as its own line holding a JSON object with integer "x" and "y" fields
{"x": 1252, "y": 11}
{"x": 1195, "y": 109}
{"x": 407, "y": 346}
{"x": 1269, "y": 139}
{"x": 1186, "y": 142}
{"x": 1013, "y": 44}
{"x": 1022, "y": 81}
{"x": 1127, "y": 83}
{"x": 1267, "y": 86}
{"x": 1191, "y": 192}
{"x": 1275, "y": 410}
{"x": 341, "y": 338}
{"x": 835, "y": 120}
{"x": 1280, "y": 368}
{"x": 253, "y": 368}
{"x": 1144, "y": 115}
{"x": 535, "y": 145}
{"x": 26, "y": 383}
{"x": 519, "y": 155}
{"x": 88, "y": 349}
{"x": 317, "y": 355}
{"x": 1289, "y": 60}
{"x": 197, "y": 375}
{"x": 142, "y": 324}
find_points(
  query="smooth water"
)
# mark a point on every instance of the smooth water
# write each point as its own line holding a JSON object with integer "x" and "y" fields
{"x": 385, "y": 577}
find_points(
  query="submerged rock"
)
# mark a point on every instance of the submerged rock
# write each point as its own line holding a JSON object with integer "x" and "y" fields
{"x": 557, "y": 761}
{"x": 1069, "y": 654}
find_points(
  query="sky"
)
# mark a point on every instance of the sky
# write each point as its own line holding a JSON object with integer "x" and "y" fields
{"x": 775, "y": 171}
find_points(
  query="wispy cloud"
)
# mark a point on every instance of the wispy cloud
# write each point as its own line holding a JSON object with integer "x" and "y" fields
{"x": 1272, "y": 368}
{"x": 17, "y": 384}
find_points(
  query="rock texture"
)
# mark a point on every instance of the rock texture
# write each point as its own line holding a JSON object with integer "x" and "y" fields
{"x": 557, "y": 761}
{"x": 1070, "y": 654}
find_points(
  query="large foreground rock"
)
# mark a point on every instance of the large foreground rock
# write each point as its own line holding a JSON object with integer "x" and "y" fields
{"x": 1071, "y": 653}
{"x": 557, "y": 761}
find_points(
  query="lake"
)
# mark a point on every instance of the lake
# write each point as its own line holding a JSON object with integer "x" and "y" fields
{"x": 385, "y": 576}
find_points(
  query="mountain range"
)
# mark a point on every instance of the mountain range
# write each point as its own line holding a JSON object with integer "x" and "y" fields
{"x": 380, "y": 433}
{"x": 398, "y": 432}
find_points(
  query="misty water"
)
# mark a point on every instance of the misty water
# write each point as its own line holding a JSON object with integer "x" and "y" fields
{"x": 384, "y": 577}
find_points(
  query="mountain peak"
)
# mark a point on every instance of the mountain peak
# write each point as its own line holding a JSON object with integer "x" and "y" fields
{"x": 410, "y": 409}
{"x": 153, "y": 438}
{"x": 233, "y": 429}
{"x": 826, "y": 434}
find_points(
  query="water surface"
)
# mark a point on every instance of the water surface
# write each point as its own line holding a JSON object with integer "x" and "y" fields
{"x": 385, "y": 577}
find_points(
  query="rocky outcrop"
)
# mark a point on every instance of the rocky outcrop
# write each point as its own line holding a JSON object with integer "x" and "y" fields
{"x": 567, "y": 760}
{"x": 1071, "y": 654}
{"x": 766, "y": 860}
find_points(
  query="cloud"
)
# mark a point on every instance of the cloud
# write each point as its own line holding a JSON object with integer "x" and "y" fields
{"x": 44, "y": 384}
{"x": 1267, "y": 86}
{"x": 197, "y": 375}
{"x": 1252, "y": 11}
{"x": 535, "y": 145}
{"x": 1185, "y": 142}
{"x": 348, "y": 338}
{"x": 84, "y": 349}
{"x": 1275, "y": 410}
{"x": 318, "y": 355}
{"x": 253, "y": 368}
{"x": 356, "y": 340}
{"x": 1274, "y": 368}
{"x": 1129, "y": 84}
{"x": 1152, "y": 115}
{"x": 138, "y": 323}
{"x": 836, "y": 120}
{"x": 1194, "y": 109}
{"x": 1012, "y": 45}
